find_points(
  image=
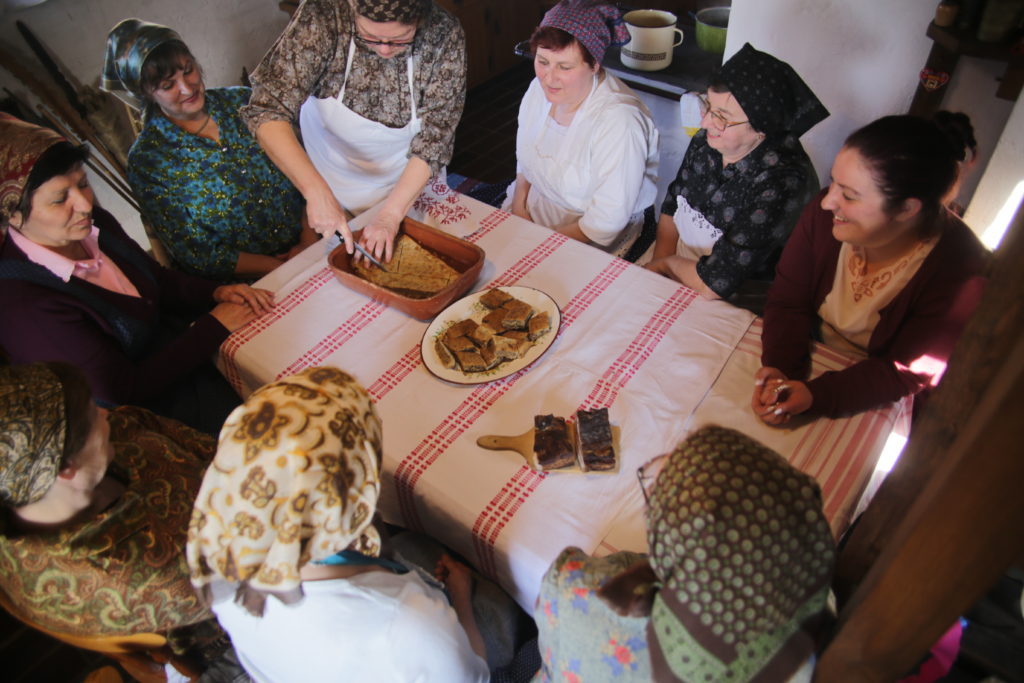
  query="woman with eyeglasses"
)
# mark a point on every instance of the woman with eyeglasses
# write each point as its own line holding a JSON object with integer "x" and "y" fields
{"x": 377, "y": 89}
{"x": 219, "y": 206}
{"x": 733, "y": 588}
{"x": 742, "y": 182}
{"x": 587, "y": 147}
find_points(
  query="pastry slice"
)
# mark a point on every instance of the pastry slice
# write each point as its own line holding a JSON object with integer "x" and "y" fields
{"x": 481, "y": 335}
{"x": 594, "y": 440}
{"x": 538, "y": 326}
{"x": 489, "y": 355}
{"x": 508, "y": 348}
{"x": 460, "y": 329}
{"x": 519, "y": 335}
{"x": 460, "y": 344}
{"x": 444, "y": 353}
{"x": 517, "y": 313}
{"x": 495, "y": 298}
{"x": 471, "y": 361}
{"x": 495, "y": 319}
{"x": 552, "y": 443}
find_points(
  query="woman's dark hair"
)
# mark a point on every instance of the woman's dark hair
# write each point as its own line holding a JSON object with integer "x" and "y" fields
{"x": 77, "y": 408}
{"x": 551, "y": 38}
{"x": 910, "y": 158}
{"x": 957, "y": 127}
{"x": 161, "y": 64}
{"x": 59, "y": 159}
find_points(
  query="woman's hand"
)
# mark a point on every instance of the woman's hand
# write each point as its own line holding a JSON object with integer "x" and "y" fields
{"x": 232, "y": 315}
{"x": 456, "y": 577}
{"x": 519, "y": 209}
{"x": 259, "y": 300}
{"x": 776, "y": 399}
{"x": 378, "y": 237}
{"x": 326, "y": 217}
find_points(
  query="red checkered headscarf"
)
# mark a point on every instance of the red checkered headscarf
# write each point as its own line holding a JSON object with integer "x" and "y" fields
{"x": 21, "y": 145}
{"x": 595, "y": 24}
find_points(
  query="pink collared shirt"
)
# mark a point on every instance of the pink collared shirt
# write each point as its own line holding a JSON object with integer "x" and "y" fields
{"x": 98, "y": 269}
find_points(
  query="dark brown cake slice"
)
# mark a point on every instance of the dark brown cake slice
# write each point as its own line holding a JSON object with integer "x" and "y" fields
{"x": 594, "y": 440}
{"x": 552, "y": 443}
{"x": 495, "y": 298}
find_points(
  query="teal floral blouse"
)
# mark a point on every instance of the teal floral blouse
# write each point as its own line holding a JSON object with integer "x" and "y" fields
{"x": 579, "y": 636}
{"x": 208, "y": 201}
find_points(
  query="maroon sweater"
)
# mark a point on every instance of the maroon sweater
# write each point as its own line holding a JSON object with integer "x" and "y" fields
{"x": 924, "y": 319}
{"x": 39, "y": 323}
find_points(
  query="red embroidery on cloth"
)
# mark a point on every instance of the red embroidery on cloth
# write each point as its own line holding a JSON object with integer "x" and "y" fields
{"x": 496, "y": 514}
{"x": 235, "y": 341}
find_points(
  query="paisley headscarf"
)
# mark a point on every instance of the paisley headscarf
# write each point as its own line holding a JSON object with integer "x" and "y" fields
{"x": 295, "y": 480}
{"x": 773, "y": 96}
{"x": 744, "y": 555}
{"x": 21, "y": 145}
{"x": 128, "y": 45}
{"x": 402, "y": 11}
{"x": 595, "y": 24}
{"x": 32, "y": 430}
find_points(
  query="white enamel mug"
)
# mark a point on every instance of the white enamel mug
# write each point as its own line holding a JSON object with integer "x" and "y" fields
{"x": 652, "y": 35}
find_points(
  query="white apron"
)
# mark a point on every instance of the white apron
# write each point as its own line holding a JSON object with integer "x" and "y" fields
{"x": 696, "y": 235}
{"x": 360, "y": 159}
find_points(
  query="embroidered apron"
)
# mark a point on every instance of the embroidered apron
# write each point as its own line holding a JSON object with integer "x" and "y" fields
{"x": 360, "y": 159}
{"x": 696, "y": 235}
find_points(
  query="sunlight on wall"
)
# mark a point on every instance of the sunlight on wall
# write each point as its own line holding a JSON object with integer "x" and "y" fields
{"x": 890, "y": 452}
{"x": 993, "y": 234}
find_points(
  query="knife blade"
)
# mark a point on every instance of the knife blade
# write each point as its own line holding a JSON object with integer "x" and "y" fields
{"x": 363, "y": 251}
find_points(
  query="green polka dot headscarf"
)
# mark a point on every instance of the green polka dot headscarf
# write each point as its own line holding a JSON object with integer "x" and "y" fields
{"x": 744, "y": 554}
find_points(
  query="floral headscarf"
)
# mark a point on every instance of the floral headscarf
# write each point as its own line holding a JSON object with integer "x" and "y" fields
{"x": 21, "y": 145}
{"x": 128, "y": 45}
{"x": 32, "y": 430}
{"x": 402, "y": 11}
{"x": 744, "y": 554}
{"x": 295, "y": 480}
{"x": 595, "y": 24}
{"x": 773, "y": 96}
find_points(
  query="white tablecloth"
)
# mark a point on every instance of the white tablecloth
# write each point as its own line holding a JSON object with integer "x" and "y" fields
{"x": 650, "y": 350}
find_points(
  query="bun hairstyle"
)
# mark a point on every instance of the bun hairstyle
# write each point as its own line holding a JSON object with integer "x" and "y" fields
{"x": 910, "y": 158}
{"x": 958, "y": 129}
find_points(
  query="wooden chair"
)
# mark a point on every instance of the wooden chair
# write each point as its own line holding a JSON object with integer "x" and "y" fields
{"x": 142, "y": 655}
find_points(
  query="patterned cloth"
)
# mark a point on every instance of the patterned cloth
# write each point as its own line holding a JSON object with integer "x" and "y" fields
{"x": 402, "y": 11}
{"x": 295, "y": 480}
{"x": 773, "y": 96}
{"x": 755, "y": 202}
{"x": 122, "y": 571}
{"x": 208, "y": 201}
{"x": 744, "y": 553}
{"x": 580, "y": 637}
{"x": 129, "y": 43}
{"x": 23, "y": 144}
{"x": 32, "y": 430}
{"x": 594, "y": 25}
{"x": 309, "y": 60}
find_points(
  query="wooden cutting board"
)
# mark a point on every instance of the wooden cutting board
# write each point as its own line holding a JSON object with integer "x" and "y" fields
{"x": 523, "y": 445}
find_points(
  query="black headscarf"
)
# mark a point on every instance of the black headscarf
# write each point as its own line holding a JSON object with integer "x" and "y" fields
{"x": 773, "y": 96}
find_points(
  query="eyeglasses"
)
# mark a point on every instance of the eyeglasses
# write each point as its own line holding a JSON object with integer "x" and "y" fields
{"x": 397, "y": 44}
{"x": 647, "y": 474}
{"x": 717, "y": 120}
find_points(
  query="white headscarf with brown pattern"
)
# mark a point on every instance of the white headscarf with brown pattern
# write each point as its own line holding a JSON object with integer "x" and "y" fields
{"x": 295, "y": 480}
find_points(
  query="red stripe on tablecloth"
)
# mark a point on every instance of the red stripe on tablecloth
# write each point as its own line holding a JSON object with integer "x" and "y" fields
{"x": 412, "y": 359}
{"x": 846, "y": 484}
{"x": 355, "y": 324}
{"x": 513, "y": 494}
{"x": 479, "y": 401}
{"x": 235, "y": 341}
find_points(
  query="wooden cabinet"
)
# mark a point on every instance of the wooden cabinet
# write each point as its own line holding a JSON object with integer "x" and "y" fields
{"x": 493, "y": 27}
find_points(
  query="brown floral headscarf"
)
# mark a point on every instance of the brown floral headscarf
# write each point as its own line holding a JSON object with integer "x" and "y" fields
{"x": 744, "y": 555}
{"x": 32, "y": 430}
{"x": 295, "y": 480}
{"x": 21, "y": 145}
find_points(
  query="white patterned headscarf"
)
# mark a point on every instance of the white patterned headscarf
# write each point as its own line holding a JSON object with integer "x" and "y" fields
{"x": 295, "y": 480}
